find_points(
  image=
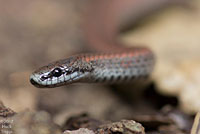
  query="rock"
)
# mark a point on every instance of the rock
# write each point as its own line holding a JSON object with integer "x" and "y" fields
{"x": 79, "y": 131}
{"x": 5, "y": 112}
{"x": 26, "y": 122}
{"x": 101, "y": 127}
{"x": 122, "y": 127}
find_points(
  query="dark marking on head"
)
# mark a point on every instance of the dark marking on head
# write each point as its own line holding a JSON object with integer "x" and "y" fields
{"x": 126, "y": 78}
{"x": 76, "y": 70}
{"x": 44, "y": 78}
{"x": 82, "y": 70}
{"x": 118, "y": 78}
{"x": 112, "y": 78}
{"x": 97, "y": 80}
{"x": 104, "y": 79}
{"x": 132, "y": 77}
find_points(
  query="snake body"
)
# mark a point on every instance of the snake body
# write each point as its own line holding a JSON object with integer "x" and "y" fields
{"x": 113, "y": 63}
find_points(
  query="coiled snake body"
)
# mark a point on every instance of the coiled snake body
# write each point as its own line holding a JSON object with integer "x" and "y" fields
{"x": 113, "y": 62}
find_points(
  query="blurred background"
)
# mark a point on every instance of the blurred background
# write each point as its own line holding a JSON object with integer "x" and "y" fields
{"x": 34, "y": 33}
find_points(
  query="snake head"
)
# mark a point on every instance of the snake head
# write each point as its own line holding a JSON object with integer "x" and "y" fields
{"x": 59, "y": 73}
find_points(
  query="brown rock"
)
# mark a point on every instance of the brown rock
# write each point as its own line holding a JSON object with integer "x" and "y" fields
{"x": 122, "y": 127}
{"x": 79, "y": 131}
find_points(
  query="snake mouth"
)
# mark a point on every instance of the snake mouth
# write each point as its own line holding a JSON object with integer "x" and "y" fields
{"x": 34, "y": 80}
{"x": 34, "y": 83}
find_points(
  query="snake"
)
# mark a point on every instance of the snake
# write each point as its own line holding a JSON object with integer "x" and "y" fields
{"x": 111, "y": 61}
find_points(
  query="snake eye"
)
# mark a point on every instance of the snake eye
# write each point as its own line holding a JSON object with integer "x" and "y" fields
{"x": 57, "y": 72}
